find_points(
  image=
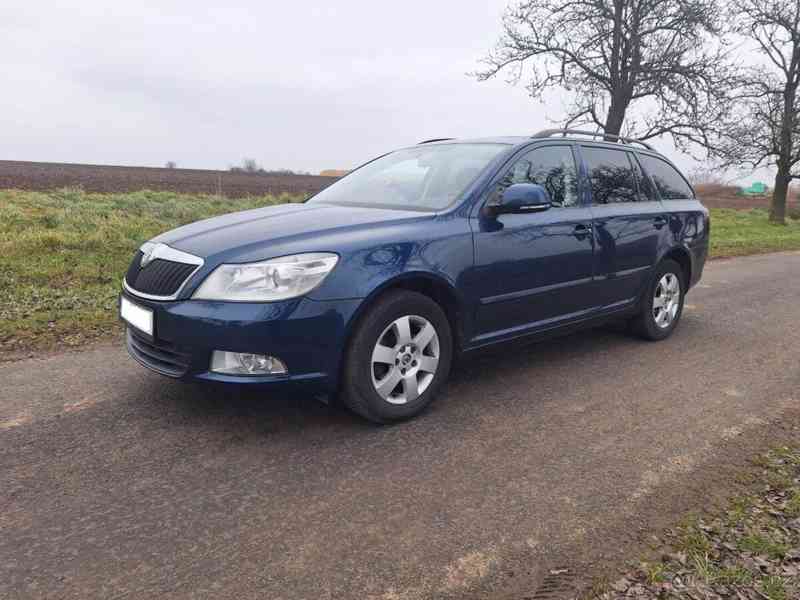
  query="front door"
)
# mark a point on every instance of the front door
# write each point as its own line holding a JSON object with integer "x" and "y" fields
{"x": 627, "y": 221}
{"x": 534, "y": 270}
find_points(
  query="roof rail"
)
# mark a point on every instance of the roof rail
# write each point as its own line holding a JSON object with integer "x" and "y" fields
{"x": 435, "y": 140}
{"x": 546, "y": 133}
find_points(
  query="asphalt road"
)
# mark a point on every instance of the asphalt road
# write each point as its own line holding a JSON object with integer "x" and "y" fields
{"x": 116, "y": 483}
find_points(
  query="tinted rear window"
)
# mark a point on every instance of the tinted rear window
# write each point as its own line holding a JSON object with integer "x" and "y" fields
{"x": 646, "y": 191}
{"x": 611, "y": 175}
{"x": 671, "y": 185}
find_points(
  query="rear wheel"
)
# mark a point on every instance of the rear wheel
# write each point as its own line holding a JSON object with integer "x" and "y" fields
{"x": 662, "y": 305}
{"x": 398, "y": 358}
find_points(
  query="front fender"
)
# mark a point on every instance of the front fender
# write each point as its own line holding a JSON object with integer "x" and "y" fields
{"x": 440, "y": 248}
{"x": 422, "y": 281}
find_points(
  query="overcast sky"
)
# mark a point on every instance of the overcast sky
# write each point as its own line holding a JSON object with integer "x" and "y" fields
{"x": 302, "y": 85}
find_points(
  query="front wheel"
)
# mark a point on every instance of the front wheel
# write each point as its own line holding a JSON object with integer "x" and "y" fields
{"x": 398, "y": 358}
{"x": 662, "y": 305}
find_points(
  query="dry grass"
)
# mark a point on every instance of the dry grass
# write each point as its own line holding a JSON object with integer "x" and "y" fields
{"x": 65, "y": 253}
{"x": 749, "y": 551}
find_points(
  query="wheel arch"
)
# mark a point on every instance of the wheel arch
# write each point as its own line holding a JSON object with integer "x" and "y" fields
{"x": 436, "y": 287}
{"x": 680, "y": 255}
{"x": 683, "y": 257}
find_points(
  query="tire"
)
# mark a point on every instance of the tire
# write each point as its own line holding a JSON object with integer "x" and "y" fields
{"x": 382, "y": 351}
{"x": 654, "y": 322}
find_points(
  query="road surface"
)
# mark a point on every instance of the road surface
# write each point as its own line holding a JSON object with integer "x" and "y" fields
{"x": 117, "y": 483}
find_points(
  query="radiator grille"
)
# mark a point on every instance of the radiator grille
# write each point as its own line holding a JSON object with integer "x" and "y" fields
{"x": 159, "y": 278}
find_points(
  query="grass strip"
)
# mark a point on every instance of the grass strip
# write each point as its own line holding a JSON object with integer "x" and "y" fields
{"x": 63, "y": 254}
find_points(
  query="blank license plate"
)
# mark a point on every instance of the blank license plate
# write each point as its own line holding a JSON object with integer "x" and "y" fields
{"x": 138, "y": 316}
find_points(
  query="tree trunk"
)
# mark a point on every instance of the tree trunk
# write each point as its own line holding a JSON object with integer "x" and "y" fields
{"x": 777, "y": 210}
{"x": 615, "y": 117}
{"x": 786, "y": 148}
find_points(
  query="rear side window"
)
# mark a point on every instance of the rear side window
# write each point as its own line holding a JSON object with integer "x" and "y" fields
{"x": 671, "y": 185}
{"x": 552, "y": 167}
{"x": 611, "y": 175}
{"x": 646, "y": 191}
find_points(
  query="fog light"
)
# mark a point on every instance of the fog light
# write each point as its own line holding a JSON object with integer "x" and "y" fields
{"x": 235, "y": 363}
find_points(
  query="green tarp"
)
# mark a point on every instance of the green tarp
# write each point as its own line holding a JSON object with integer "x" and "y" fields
{"x": 756, "y": 189}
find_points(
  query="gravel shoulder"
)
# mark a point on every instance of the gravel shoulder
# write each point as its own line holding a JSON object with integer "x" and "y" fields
{"x": 746, "y": 547}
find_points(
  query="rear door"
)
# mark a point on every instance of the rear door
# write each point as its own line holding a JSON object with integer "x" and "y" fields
{"x": 627, "y": 219}
{"x": 688, "y": 218}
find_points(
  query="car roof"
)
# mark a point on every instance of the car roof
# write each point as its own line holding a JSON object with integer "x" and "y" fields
{"x": 509, "y": 140}
{"x": 522, "y": 140}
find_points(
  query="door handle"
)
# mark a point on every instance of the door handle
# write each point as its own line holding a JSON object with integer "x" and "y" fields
{"x": 659, "y": 222}
{"x": 581, "y": 231}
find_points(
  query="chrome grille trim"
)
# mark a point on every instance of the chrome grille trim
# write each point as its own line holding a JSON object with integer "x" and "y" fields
{"x": 161, "y": 250}
{"x": 171, "y": 254}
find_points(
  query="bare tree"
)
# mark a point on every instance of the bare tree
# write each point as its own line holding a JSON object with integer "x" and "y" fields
{"x": 171, "y": 164}
{"x": 665, "y": 56}
{"x": 766, "y": 130}
{"x": 249, "y": 165}
{"x": 708, "y": 174}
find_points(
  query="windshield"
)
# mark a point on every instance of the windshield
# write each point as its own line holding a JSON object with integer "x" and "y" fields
{"x": 419, "y": 178}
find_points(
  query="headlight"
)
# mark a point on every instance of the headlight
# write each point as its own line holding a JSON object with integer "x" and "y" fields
{"x": 275, "y": 279}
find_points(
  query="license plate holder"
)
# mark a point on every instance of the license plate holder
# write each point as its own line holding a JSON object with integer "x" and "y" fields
{"x": 137, "y": 316}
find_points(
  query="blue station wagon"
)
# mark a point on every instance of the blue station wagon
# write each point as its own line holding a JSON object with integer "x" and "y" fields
{"x": 369, "y": 289}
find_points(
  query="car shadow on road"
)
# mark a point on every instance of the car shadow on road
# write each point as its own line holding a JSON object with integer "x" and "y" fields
{"x": 474, "y": 381}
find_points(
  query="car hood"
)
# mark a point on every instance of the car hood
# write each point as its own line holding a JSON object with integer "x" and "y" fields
{"x": 275, "y": 230}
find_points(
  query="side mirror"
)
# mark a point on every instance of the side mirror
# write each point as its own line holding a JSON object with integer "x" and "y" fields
{"x": 521, "y": 198}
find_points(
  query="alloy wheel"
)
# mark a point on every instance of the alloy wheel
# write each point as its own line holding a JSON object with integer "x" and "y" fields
{"x": 666, "y": 300}
{"x": 405, "y": 359}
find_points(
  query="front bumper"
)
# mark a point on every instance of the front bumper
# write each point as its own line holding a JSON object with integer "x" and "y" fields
{"x": 307, "y": 335}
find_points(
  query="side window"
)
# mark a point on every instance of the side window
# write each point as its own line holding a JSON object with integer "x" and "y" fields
{"x": 671, "y": 185}
{"x": 646, "y": 191}
{"x": 552, "y": 167}
{"x": 611, "y": 175}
